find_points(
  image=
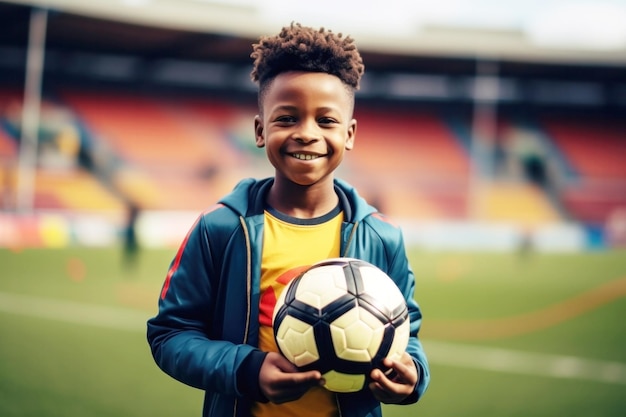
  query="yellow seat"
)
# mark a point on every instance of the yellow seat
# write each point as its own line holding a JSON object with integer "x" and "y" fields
{"x": 513, "y": 202}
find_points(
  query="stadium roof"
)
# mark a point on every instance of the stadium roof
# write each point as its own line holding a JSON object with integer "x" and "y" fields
{"x": 543, "y": 31}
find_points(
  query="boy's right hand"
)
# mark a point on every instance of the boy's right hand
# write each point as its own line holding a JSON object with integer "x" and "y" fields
{"x": 280, "y": 380}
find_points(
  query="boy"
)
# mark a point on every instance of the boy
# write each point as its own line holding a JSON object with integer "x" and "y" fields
{"x": 213, "y": 329}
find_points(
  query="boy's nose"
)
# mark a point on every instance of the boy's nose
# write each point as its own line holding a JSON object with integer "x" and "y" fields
{"x": 307, "y": 132}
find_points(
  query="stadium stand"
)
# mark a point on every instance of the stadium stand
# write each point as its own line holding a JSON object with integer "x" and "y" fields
{"x": 65, "y": 187}
{"x": 416, "y": 157}
{"x": 595, "y": 203}
{"x": 412, "y": 163}
{"x": 184, "y": 153}
{"x": 416, "y": 142}
{"x": 229, "y": 128}
{"x": 514, "y": 202}
{"x": 171, "y": 157}
{"x": 76, "y": 190}
{"x": 8, "y": 146}
{"x": 139, "y": 130}
{"x": 596, "y": 148}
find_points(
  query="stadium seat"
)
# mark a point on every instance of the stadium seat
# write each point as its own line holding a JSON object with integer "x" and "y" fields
{"x": 414, "y": 161}
{"x": 174, "y": 154}
{"x": 73, "y": 190}
{"x": 596, "y": 147}
{"x": 514, "y": 202}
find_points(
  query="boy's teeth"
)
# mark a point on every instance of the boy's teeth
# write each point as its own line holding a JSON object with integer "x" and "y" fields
{"x": 304, "y": 157}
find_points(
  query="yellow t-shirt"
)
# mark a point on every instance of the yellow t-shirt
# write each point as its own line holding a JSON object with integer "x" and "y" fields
{"x": 291, "y": 245}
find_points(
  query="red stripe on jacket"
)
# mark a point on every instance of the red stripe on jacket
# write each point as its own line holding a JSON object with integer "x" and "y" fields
{"x": 181, "y": 250}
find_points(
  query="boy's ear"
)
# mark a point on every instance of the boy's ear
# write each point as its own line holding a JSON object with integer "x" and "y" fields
{"x": 258, "y": 132}
{"x": 351, "y": 134}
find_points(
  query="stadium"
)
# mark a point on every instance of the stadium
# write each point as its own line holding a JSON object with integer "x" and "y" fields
{"x": 500, "y": 152}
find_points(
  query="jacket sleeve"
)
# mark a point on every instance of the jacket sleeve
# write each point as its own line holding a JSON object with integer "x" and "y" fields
{"x": 385, "y": 248}
{"x": 401, "y": 272}
{"x": 180, "y": 334}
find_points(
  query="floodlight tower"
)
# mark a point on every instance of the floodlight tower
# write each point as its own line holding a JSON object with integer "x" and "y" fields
{"x": 485, "y": 95}
{"x": 27, "y": 164}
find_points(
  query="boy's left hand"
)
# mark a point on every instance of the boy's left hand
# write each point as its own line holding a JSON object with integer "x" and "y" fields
{"x": 402, "y": 384}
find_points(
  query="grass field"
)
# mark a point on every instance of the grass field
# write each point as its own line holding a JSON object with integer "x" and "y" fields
{"x": 508, "y": 336}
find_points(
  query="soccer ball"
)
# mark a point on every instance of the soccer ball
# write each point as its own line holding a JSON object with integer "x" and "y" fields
{"x": 341, "y": 316}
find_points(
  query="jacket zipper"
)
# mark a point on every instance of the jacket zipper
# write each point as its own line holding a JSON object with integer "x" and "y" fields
{"x": 339, "y": 414}
{"x": 349, "y": 241}
{"x": 248, "y": 291}
{"x": 345, "y": 251}
{"x": 248, "y": 277}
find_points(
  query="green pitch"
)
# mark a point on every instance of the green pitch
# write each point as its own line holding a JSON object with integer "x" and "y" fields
{"x": 507, "y": 335}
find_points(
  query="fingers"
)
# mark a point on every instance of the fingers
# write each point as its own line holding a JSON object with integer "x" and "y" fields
{"x": 291, "y": 386}
{"x": 308, "y": 379}
{"x": 397, "y": 371}
{"x": 396, "y": 384}
{"x": 280, "y": 381}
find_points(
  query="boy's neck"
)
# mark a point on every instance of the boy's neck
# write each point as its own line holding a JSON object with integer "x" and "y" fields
{"x": 304, "y": 202}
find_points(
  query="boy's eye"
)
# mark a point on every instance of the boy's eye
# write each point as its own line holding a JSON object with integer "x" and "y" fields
{"x": 285, "y": 119}
{"x": 326, "y": 121}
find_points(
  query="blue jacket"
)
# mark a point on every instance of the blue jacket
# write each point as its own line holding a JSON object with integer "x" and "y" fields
{"x": 206, "y": 331}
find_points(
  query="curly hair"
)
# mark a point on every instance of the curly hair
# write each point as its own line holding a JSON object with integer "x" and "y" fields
{"x": 301, "y": 48}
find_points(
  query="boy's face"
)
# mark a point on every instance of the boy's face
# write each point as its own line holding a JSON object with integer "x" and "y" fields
{"x": 306, "y": 125}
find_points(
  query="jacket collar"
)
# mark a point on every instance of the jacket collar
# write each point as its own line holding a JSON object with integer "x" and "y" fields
{"x": 248, "y": 199}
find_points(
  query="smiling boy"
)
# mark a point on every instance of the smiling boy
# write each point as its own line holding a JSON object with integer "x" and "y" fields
{"x": 213, "y": 330}
{"x": 306, "y": 126}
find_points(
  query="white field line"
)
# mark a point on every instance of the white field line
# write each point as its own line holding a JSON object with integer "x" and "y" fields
{"x": 73, "y": 312}
{"x": 442, "y": 353}
{"x": 526, "y": 363}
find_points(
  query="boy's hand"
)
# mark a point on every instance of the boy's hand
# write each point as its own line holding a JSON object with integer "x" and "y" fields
{"x": 281, "y": 382}
{"x": 402, "y": 384}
